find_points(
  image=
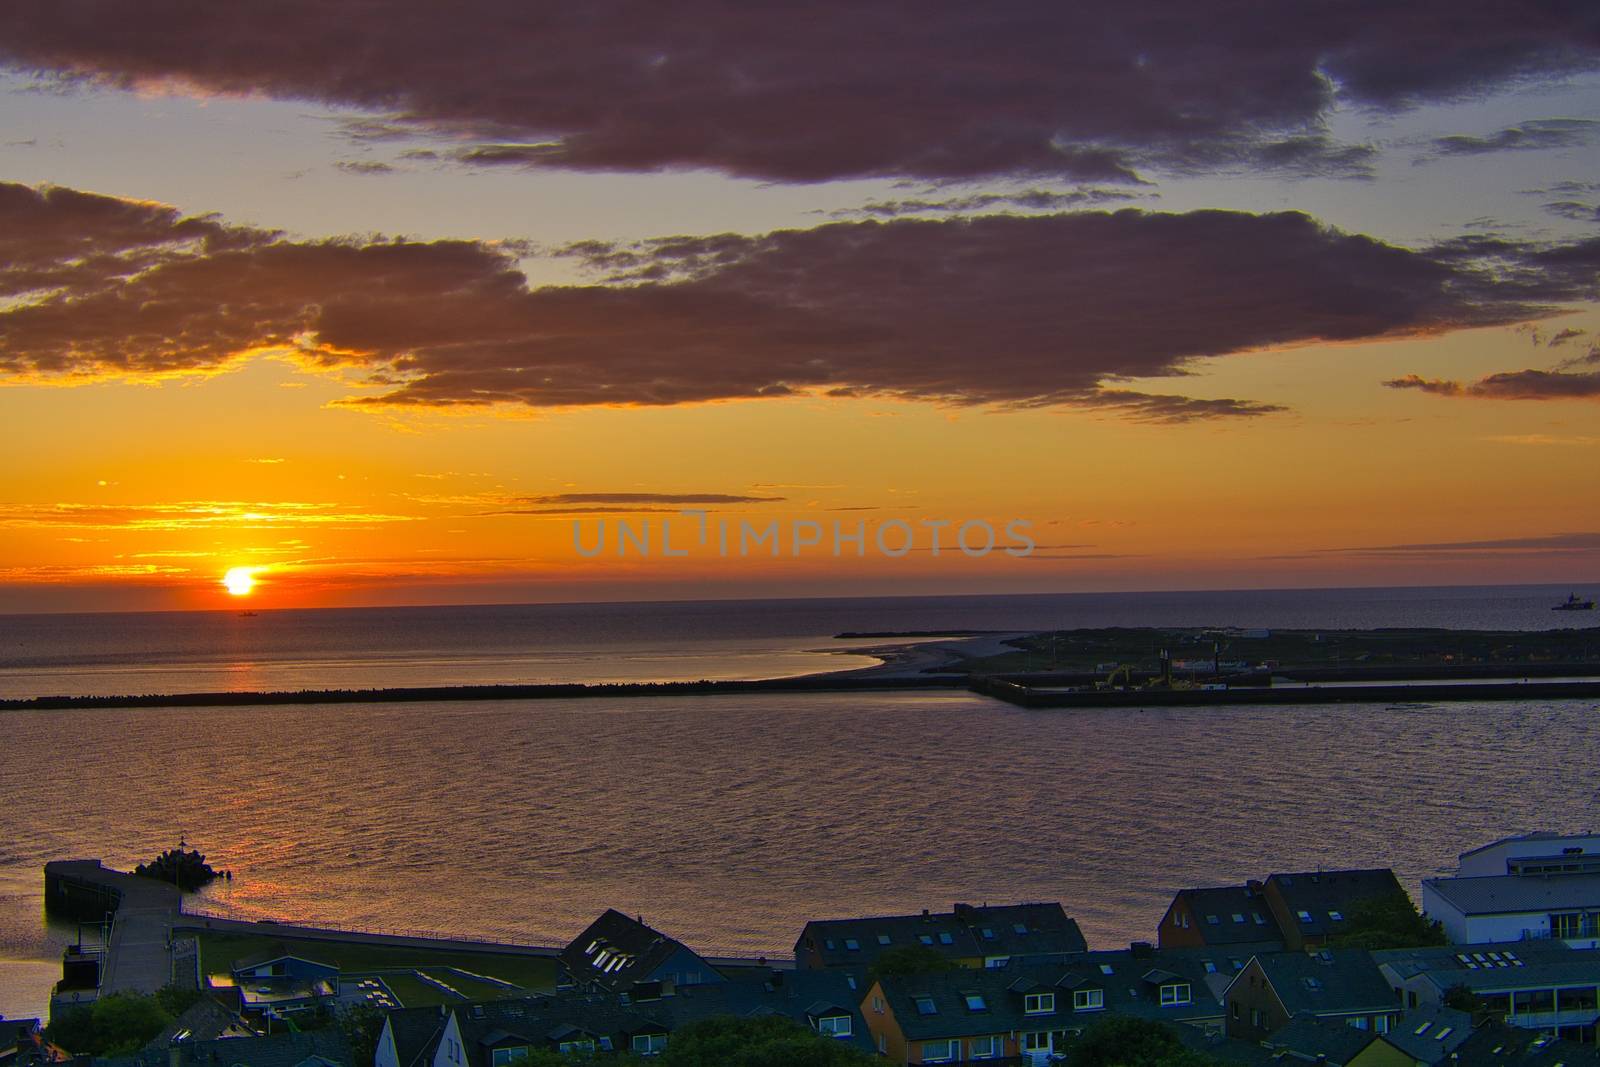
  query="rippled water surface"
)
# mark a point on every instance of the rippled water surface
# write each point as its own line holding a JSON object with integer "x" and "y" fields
{"x": 728, "y": 821}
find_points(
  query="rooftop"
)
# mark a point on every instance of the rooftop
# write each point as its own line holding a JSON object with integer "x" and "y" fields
{"x": 1510, "y": 893}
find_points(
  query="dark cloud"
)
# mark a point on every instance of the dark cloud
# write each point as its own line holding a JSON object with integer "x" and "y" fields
{"x": 976, "y": 203}
{"x": 1022, "y": 311}
{"x": 1511, "y": 385}
{"x": 364, "y": 166}
{"x": 650, "y": 498}
{"x": 1576, "y": 210}
{"x": 833, "y": 89}
{"x": 1530, "y": 136}
{"x": 1563, "y": 542}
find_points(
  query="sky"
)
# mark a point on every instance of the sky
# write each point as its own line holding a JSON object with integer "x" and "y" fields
{"x": 406, "y": 303}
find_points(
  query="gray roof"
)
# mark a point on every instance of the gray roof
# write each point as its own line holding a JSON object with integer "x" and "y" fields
{"x": 1127, "y": 983}
{"x": 274, "y": 954}
{"x": 1214, "y": 910}
{"x": 1313, "y": 1038}
{"x": 1323, "y": 894}
{"x": 1497, "y": 1045}
{"x": 642, "y": 949}
{"x": 204, "y": 1020}
{"x": 1580, "y": 971}
{"x": 1508, "y": 893}
{"x": 1405, "y": 963}
{"x": 1537, "y": 835}
{"x": 280, "y": 1050}
{"x": 964, "y": 932}
{"x": 416, "y": 1033}
{"x": 614, "y": 1019}
{"x": 1429, "y": 1034}
{"x": 1328, "y": 982}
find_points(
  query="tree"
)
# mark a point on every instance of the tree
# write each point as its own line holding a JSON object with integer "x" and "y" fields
{"x": 1461, "y": 998}
{"x": 759, "y": 1041}
{"x": 117, "y": 1024}
{"x": 1123, "y": 1041}
{"x": 903, "y": 961}
{"x": 1389, "y": 921}
{"x": 361, "y": 1025}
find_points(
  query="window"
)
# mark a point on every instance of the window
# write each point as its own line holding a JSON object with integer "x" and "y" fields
{"x": 850, "y": 980}
{"x": 883, "y": 939}
{"x": 1443, "y": 1033}
{"x": 1106, "y": 969}
{"x": 986, "y": 1048}
{"x": 877, "y": 1004}
{"x": 828, "y": 944}
{"x": 926, "y": 1006}
{"x": 1211, "y": 968}
{"x": 502, "y": 1056}
{"x": 1039, "y": 1003}
{"x": 975, "y": 1002}
{"x": 926, "y": 939}
{"x": 1359, "y": 1022}
{"x": 1088, "y": 999}
{"x": 1235, "y": 1007}
{"x": 988, "y": 933}
{"x": 1020, "y": 928}
{"x": 1335, "y": 916}
{"x": 566, "y": 1048}
{"x": 1238, "y": 916}
{"x": 883, "y": 1044}
{"x": 1039, "y": 1042}
{"x": 946, "y": 939}
{"x": 1381, "y": 1024}
{"x": 1176, "y": 993}
{"x": 941, "y": 1051}
{"x": 1211, "y": 920}
{"x": 997, "y": 961}
{"x": 1259, "y": 920}
{"x": 834, "y": 1025}
{"x": 1305, "y": 916}
{"x": 852, "y": 944}
{"x": 648, "y": 1044}
{"x": 1236, "y": 963}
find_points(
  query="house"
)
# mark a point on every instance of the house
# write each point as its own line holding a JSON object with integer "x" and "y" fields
{"x": 277, "y": 983}
{"x": 1311, "y": 907}
{"x": 324, "y": 1047}
{"x": 1516, "y": 907}
{"x": 1234, "y": 917}
{"x": 496, "y": 1033}
{"x": 616, "y": 953}
{"x": 967, "y": 935}
{"x": 204, "y": 1020}
{"x": 1540, "y": 986}
{"x": 410, "y": 1037}
{"x": 22, "y": 1044}
{"x": 1309, "y": 1039}
{"x": 1343, "y": 985}
{"x": 1535, "y": 853}
{"x": 977, "y": 1014}
{"x": 1496, "y": 1045}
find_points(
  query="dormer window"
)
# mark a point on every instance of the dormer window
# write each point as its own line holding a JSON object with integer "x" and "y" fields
{"x": 988, "y": 933}
{"x": 834, "y": 1025}
{"x": 1088, "y": 999}
{"x": 1175, "y": 993}
{"x": 1211, "y": 920}
{"x": 1039, "y": 1003}
{"x": 926, "y": 939}
{"x": 1020, "y": 928}
{"x": 1336, "y": 917}
{"x": 1107, "y": 970}
{"x": 1238, "y": 916}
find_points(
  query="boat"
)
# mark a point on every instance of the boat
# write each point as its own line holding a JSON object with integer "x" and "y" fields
{"x": 1572, "y": 603}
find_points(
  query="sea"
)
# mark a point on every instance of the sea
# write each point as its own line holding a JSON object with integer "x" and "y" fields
{"x": 729, "y": 820}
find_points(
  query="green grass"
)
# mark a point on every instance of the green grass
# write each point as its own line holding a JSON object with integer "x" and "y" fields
{"x": 219, "y": 950}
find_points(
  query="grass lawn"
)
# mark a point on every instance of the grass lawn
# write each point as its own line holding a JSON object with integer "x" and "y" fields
{"x": 219, "y": 950}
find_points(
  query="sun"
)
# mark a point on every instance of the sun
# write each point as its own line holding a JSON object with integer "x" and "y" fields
{"x": 240, "y": 580}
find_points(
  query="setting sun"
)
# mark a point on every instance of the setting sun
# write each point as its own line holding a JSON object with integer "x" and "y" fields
{"x": 240, "y": 581}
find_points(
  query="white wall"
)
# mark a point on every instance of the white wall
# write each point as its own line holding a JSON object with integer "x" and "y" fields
{"x": 1492, "y": 860}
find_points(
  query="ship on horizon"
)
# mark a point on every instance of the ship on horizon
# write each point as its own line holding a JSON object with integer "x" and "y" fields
{"x": 1572, "y": 603}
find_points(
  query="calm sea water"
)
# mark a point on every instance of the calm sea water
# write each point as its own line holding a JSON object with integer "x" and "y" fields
{"x": 359, "y": 648}
{"x": 730, "y": 820}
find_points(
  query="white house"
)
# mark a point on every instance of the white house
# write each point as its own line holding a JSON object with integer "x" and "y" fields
{"x": 1516, "y": 907}
{"x": 1536, "y": 853}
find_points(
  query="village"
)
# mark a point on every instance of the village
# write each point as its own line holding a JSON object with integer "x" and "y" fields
{"x": 1501, "y": 965}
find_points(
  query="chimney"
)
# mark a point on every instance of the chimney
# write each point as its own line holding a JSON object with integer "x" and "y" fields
{"x": 924, "y": 914}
